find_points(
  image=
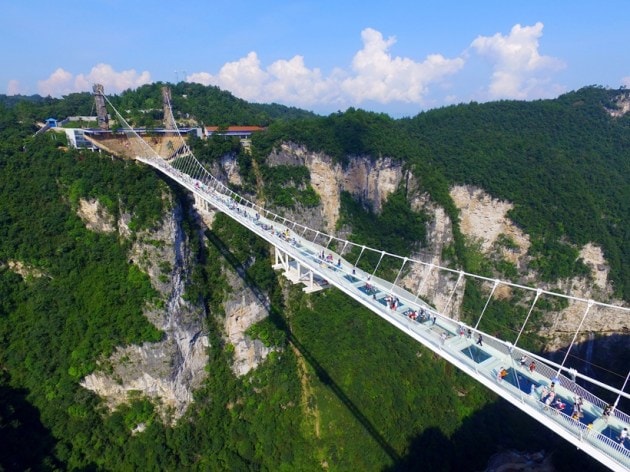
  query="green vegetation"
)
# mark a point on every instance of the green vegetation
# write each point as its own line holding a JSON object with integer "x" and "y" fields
{"x": 564, "y": 164}
{"x": 287, "y": 185}
{"x": 397, "y": 228}
{"x": 343, "y": 390}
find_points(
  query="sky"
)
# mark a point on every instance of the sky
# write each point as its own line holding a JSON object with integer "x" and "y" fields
{"x": 395, "y": 57}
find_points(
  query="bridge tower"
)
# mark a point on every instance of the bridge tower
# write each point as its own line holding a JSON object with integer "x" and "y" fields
{"x": 101, "y": 109}
{"x": 169, "y": 119}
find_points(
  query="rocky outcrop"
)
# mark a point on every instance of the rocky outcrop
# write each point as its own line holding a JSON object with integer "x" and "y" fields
{"x": 425, "y": 280}
{"x": 621, "y": 105}
{"x": 167, "y": 371}
{"x": 370, "y": 181}
{"x": 230, "y": 167}
{"x": 484, "y": 219}
{"x": 95, "y": 216}
{"x": 243, "y": 309}
{"x": 25, "y": 271}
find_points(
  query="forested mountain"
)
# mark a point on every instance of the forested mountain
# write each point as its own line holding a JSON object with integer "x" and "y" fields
{"x": 339, "y": 390}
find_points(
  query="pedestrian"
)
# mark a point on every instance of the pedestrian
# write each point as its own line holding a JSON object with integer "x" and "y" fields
{"x": 532, "y": 367}
{"x": 469, "y": 333}
{"x": 480, "y": 340}
{"x": 502, "y": 374}
{"x": 434, "y": 318}
{"x": 523, "y": 361}
{"x": 623, "y": 436}
{"x": 607, "y": 412}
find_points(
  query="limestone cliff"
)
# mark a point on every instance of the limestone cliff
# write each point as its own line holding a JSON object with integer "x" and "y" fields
{"x": 243, "y": 308}
{"x": 369, "y": 181}
{"x": 95, "y": 216}
{"x": 483, "y": 221}
{"x": 168, "y": 371}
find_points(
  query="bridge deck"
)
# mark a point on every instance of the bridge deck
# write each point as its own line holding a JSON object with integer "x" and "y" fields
{"x": 591, "y": 431}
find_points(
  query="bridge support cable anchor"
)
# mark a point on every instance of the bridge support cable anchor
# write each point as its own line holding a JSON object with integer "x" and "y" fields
{"x": 531, "y": 309}
{"x": 577, "y": 331}
{"x": 494, "y": 287}
{"x": 343, "y": 248}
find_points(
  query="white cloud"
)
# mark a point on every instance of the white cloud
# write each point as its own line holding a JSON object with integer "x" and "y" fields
{"x": 57, "y": 84}
{"x": 375, "y": 75}
{"x": 520, "y": 71}
{"x": 62, "y": 82}
{"x": 383, "y": 78}
{"x": 15, "y": 88}
{"x": 288, "y": 81}
{"x": 111, "y": 80}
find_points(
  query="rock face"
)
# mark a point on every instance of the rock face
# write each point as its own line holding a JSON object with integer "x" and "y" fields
{"x": 622, "y": 105}
{"x": 437, "y": 287}
{"x": 242, "y": 310}
{"x": 369, "y": 181}
{"x": 23, "y": 270}
{"x": 95, "y": 216}
{"x": 484, "y": 219}
{"x": 168, "y": 371}
{"x": 230, "y": 166}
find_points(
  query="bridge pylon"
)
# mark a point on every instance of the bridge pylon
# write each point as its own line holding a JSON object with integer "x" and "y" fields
{"x": 101, "y": 110}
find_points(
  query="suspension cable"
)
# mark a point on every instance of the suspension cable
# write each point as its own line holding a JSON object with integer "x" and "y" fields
{"x": 538, "y": 292}
{"x": 422, "y": 282}
{"x": 379, "y": 263}
{"x": 496, "y": 284}
{"x": 399, "y": 272}
{"x": 459, "y": 278}
{"x": 588, "y": 308}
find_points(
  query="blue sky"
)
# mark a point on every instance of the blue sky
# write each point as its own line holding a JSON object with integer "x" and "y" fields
{"x": 397, "y": 57}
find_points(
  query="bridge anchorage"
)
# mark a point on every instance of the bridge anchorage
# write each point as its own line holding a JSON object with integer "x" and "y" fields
{"x": 543, "y": 389}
